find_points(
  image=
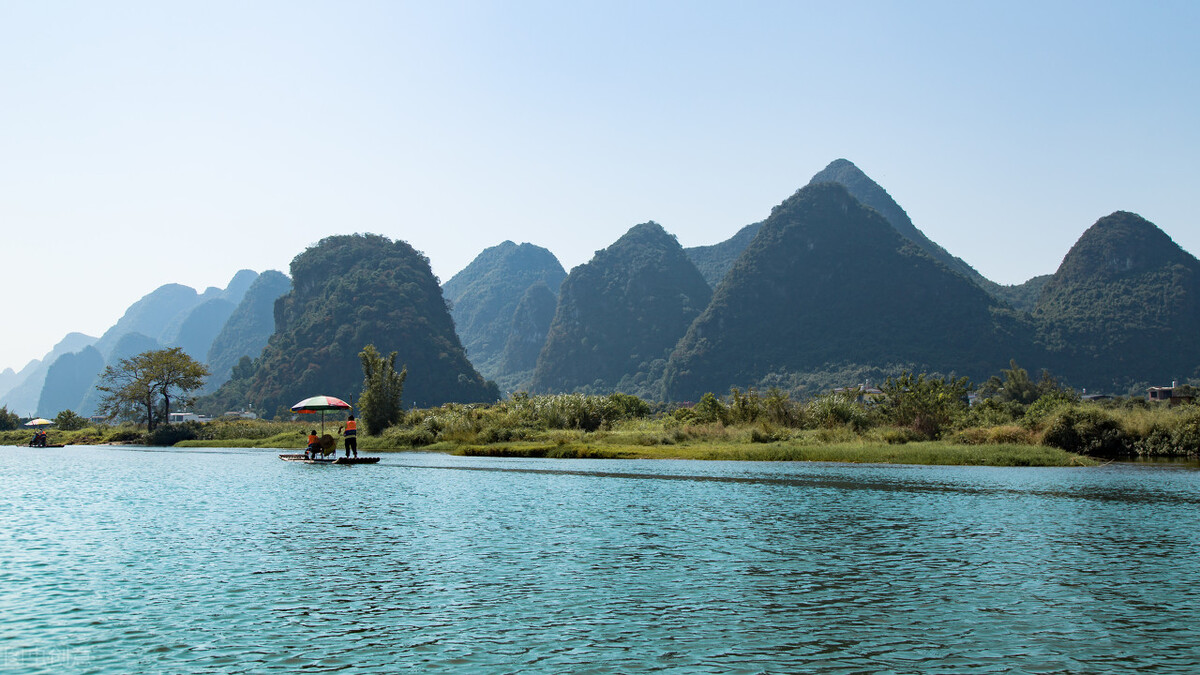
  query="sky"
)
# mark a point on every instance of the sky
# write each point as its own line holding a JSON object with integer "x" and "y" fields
{"x": 146, "y": 143}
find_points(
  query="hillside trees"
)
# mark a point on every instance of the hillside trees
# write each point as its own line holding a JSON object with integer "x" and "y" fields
{"x": 619, "y": 315}
{"x": 349, "y": 291}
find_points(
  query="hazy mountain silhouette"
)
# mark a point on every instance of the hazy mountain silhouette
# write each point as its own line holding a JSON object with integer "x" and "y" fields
{"x": 69, "y": 380}
{"x": 484, "y": 295}
{"x": 129, "y": 344}
{"x": 23, "y": 397}
{"x": 201, "y": 327}
{"x": 248, "y": 328}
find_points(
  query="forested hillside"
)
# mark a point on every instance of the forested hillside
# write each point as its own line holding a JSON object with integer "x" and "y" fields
{"x": 526, "y": 335}
{"x": 1124, "y": 307}
{"x": 349, "y": 291}
{"x": 620, "y": 314}
{"x": 714, "y": 261}
{"x": 829, "y": 284}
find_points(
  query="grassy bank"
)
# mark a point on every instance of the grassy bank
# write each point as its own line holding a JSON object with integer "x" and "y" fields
{"x": 928, "y": 452}
{"x": 713, "y": 444}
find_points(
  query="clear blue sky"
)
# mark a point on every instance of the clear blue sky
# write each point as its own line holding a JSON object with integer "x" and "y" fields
{"x": 144, "y": 143}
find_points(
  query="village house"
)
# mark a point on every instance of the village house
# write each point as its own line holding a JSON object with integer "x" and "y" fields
{"x": 1172, "y": 395}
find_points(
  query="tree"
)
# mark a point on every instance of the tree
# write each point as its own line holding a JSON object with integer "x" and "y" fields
{"x": 1014, "y": 385}
{"x": 8, "y": 420}
{"x": 924, "y": 405}
{"x": 379, "y": 402}
{"x": 135, "y": 385}
{"x": 69, "y": 420}
{"x": 176, "y": 372}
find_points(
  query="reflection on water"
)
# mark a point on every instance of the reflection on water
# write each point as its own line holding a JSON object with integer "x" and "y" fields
{"x": 117, "y": 560}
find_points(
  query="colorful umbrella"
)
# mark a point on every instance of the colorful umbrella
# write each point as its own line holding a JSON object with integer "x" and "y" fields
{"x": 320, "y": 404}
{"x": 39, "y": 422}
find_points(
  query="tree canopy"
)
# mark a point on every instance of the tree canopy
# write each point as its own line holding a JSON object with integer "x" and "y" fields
{"x": 142, "y": 387}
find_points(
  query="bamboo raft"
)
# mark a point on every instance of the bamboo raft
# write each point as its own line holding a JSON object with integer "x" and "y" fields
{"x": 299, "y": 457}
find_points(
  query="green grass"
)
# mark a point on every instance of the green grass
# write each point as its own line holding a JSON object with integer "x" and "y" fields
{"x": 932, "y": 452}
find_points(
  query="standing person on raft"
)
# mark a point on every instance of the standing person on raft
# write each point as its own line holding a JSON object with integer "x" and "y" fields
{"x": 351, "y": 435}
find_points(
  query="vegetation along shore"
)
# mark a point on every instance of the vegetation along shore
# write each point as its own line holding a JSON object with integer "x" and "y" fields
{"x": 911, "y": 419}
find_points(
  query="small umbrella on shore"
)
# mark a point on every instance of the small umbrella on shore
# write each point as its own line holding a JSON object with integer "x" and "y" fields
{"x": 320, "y": 404}
{"x": 39, "y": 422}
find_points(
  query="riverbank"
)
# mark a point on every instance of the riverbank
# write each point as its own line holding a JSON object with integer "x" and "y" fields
{"x": 927, "y": 452}
{"x": 602, "y": 446}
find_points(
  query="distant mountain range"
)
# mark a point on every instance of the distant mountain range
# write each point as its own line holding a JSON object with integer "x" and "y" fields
{"x": 485, "y": 295}
{"x": 170, "y": 316}
{"x": 836, "y": 286}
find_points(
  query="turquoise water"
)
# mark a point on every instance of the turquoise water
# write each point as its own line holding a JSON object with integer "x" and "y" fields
{"x": 125, "y": 560}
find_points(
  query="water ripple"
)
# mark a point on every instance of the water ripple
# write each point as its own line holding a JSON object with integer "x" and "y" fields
{"x": 114, "y": 560}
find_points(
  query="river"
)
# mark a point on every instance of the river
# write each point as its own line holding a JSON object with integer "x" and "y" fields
{"x": 117, "y": 560}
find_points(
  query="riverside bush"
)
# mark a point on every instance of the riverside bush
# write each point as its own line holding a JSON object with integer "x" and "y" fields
{"x": 1087, "y": 430}
{"x": 170, "y": 434}
{"x": 902, "y": 435}
{"x": 412, "y": 437}
{"x": 1178, "y": 436}
{"x": 837, "y": 410}
{"x": 998, "y": 435}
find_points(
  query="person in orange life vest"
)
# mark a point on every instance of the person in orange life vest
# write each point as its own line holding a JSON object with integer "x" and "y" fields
{"x": 314, "y": 445}
{"x": 351, "y": 434}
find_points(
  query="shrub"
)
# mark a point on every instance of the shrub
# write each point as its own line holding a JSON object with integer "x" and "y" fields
{"x": 971, "y": 436}
{"x": 1010, "y": 435}
{"x": 627, "y": 406}
{"x": 1045, "y": 407}
{"x": 925, "y": 405}
{"x": 167, "y": 435}
{"x": 768, "y": 433}
{"x": 901, "y": 435}
{"x": 1089, "y": 431}
{"x": 709, "y": 410}
{"x": 1174, "y": 438}
{"x": 126, "y": 435}
{"x": 992, "y": 412}
{"x": 68, "y": 420}
{"x": 414, "y": 437}
{"x": 837, "y": 410}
